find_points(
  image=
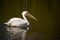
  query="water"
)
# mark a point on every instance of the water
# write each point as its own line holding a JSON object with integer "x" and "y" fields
{"x": 47, "y": 13}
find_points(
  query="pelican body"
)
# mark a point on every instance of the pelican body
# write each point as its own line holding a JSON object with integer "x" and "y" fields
{"x": 17, "y": 27}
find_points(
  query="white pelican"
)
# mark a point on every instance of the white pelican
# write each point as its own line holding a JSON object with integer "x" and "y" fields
{"x": 17, "y": 27}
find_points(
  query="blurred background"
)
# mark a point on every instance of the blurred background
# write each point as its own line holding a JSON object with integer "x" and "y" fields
{"x": 46, "y": 11}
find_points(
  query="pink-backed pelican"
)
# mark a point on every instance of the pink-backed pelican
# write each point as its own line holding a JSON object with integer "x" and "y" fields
{"x": 17, "y": 27}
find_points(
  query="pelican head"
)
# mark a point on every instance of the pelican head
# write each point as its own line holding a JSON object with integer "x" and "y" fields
{"x": 26, "y": 13}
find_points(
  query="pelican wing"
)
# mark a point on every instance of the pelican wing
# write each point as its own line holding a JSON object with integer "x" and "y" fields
{"x": 16, "y": 22}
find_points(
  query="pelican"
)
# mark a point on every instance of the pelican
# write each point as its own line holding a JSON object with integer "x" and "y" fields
{"x": 17, "y": 27}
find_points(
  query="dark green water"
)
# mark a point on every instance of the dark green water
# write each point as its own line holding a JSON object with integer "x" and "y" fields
{"x": 46, "y": 11}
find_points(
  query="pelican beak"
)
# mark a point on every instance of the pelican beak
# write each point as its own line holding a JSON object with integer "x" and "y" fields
{"x": 29, "y": 15}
